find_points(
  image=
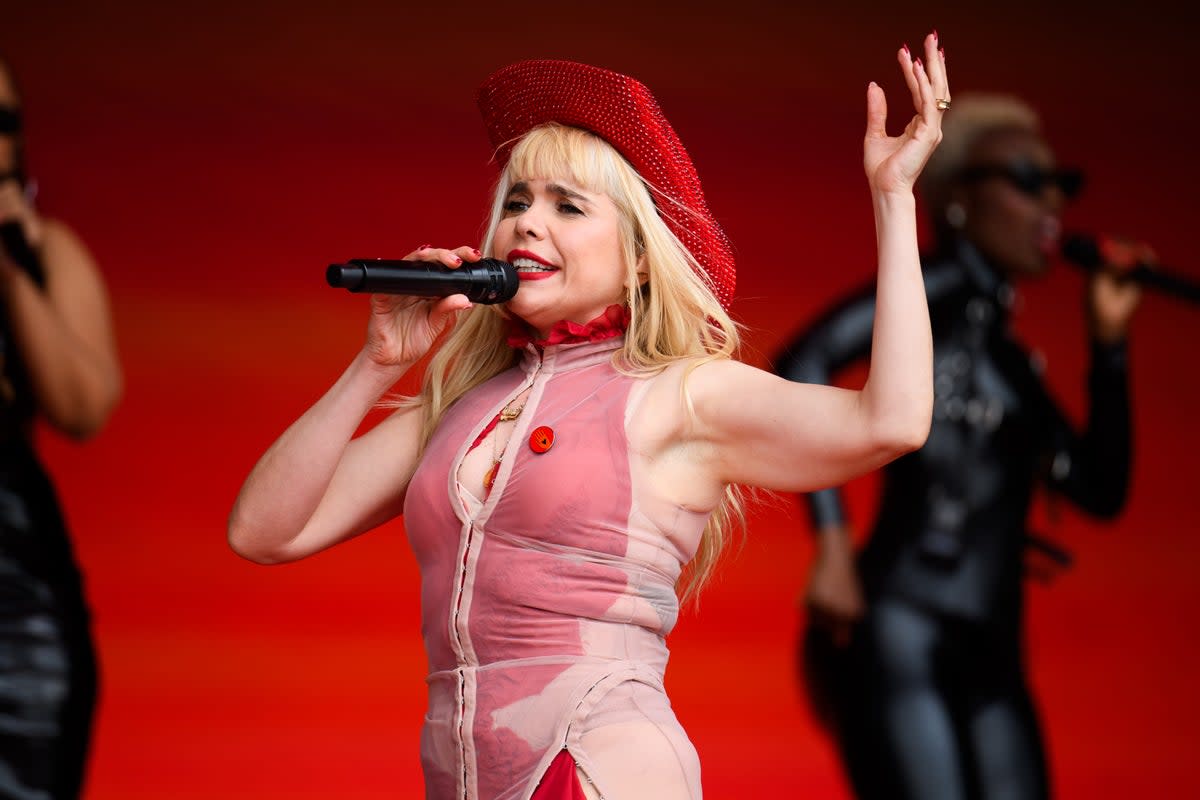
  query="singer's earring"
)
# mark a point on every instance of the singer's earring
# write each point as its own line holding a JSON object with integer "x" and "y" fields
{"x": 956, "y": 215}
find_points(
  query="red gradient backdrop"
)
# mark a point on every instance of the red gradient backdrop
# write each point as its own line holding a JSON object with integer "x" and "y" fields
{"x": 216, "y": 156}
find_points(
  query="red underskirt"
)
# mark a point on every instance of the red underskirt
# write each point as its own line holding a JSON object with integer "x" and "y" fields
{"x": 560, "y": 781}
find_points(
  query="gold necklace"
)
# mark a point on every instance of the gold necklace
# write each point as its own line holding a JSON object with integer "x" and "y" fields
{"x": 507, "y": 414}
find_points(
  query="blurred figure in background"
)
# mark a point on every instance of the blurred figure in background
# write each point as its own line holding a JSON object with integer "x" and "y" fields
{"x": 58, "y": 361}
{"x": 914, "y": 648}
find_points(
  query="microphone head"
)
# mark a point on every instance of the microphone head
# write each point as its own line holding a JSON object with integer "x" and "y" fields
{"x": 500, "y": 285}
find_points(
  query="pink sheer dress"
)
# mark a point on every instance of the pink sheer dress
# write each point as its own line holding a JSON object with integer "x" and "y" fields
{"x": 545, "y": 604}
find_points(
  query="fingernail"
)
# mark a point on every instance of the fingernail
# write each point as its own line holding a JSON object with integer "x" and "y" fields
{"x": 942, "y": 53}
{"x": 918, "y": 63}
{"x": 906, "y": 50}
{"x": 475, "y": 250}
{"x": 425, "y": 247}
{"x": 457, "y": 260}
{"x": 935, "y": 36}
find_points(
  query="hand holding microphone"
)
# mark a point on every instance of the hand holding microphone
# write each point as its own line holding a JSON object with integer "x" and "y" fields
{"x": 415, "y": 299}
{"x": 15, "y": 247}
{"x": 20, "y": 229}
{"x": 1129, "y": 261}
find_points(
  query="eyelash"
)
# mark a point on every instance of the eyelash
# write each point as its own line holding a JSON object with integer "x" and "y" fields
{"x": 518, "y": 206}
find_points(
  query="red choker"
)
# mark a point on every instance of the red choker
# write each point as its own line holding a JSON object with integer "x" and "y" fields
{"x": 608, "y": 325}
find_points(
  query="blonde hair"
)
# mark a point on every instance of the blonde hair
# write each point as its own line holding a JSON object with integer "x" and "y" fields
{"x": 674, "y": 315}
{"x": 973, "y": 117}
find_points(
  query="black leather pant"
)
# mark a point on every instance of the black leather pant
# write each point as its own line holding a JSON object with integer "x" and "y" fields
{"x": 927, "y": 707}
{"x": 47, "y": 690}
{"x": 48, "y": 675}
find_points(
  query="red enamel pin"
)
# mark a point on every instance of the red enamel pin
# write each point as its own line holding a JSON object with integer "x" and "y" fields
{"x": 542, "y": 439}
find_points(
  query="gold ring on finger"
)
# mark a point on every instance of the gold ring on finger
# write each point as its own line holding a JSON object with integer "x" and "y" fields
{"x": 942, "y": 103}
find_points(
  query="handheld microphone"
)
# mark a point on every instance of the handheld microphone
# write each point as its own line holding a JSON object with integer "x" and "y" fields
{"x": 1084, "y": 251}
{"x": 486, "y": 281}
{"x": 14, "y": 245}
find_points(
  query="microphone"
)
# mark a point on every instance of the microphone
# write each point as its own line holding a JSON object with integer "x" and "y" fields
{"x": 1084, "y": 251}
{"x": 486, "y": 281}
{"x": 14, "y": 245}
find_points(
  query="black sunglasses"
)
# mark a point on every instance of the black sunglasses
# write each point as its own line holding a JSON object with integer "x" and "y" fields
{"x": 1028, "y": 178}
{"x": 10, "y": 120}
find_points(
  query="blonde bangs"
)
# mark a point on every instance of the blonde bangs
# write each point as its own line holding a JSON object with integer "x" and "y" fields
{"x": 572, "y": 154}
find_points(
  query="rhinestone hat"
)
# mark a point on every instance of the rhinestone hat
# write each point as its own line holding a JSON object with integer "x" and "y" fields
{"x": 620, "y": 110}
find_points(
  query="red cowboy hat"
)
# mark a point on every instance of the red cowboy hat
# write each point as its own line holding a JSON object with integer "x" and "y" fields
{"x": 620, "y": 110}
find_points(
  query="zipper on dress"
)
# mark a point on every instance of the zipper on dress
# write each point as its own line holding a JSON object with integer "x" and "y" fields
{"x": 458, "y": 600}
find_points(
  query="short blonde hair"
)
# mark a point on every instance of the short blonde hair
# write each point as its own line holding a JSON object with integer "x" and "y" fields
{"x": 973, "y": 117}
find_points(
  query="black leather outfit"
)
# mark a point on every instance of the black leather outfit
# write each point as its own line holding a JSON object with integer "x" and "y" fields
{"x": 929, "y": 700}
{"x": 47, "y": 660}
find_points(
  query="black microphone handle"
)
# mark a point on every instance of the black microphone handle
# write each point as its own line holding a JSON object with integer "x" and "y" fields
{"x": 1171, "y": 283}
{"x": 1082, "y": 251}
{"x": 15, "y": 246}
{"x": 486, "y": 281}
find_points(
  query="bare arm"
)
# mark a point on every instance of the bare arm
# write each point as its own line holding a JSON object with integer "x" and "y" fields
{"x": 763, "y": 430}
{"x": 316, "y": 485}
{"x": 63, "y": 331}
{"x": 1092, "y": 467}
{"x": 758, "y": 429}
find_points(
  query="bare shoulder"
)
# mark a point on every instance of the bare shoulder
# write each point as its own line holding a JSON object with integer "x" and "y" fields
{"x": 59, "y": 236}
{"x": 675, "y": 399}
{"x": 65, "y": 255}
{"x": 718, "y": 388}
{"x": 733, "y": 405}
{"x": 721, "y": 376}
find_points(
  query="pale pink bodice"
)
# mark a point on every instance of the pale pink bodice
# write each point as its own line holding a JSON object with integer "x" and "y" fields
{"x": 545, "y": 606}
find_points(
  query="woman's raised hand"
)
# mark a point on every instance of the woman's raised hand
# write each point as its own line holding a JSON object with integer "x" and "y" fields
{"x": 893, "y": 163}
{"x": 401, "y": 328}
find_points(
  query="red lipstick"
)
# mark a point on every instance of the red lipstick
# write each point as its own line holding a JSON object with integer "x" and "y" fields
{"x": 531, "y": 256}
{"x": 534, "y": 257}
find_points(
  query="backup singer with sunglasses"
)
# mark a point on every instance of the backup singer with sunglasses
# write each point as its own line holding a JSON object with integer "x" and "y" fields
{"x": 915, "y": 649}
